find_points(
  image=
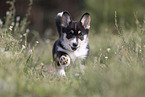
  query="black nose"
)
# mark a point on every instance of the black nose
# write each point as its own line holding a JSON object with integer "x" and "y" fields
{"x": 75, "y": 44}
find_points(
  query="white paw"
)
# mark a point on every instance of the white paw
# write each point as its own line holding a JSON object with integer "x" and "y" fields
{"x": 61, "y": 72}
{"x": 64, "y": 60}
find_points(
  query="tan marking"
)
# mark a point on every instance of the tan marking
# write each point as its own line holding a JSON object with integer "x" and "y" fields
{"x": 67, "y": 56}
{"x": 79, "y": 32}
{"x": 79, "y": 41}
{"x": 72, "y": 31}
{"x": 55, "y": 55}
{"x": 57, "y": 59}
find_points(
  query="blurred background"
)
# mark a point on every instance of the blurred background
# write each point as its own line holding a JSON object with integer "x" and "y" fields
{"x": 102, "y": 13}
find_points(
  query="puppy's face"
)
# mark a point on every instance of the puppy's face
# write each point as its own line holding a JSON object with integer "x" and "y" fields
{"x": 75, "y": 33}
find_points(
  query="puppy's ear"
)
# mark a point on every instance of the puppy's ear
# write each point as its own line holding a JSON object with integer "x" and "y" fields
{"x": 66, "y": 19}
{"x": 85, "y": 20}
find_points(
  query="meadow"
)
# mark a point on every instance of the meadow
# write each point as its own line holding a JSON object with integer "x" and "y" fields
{"x": 114, "y": 68}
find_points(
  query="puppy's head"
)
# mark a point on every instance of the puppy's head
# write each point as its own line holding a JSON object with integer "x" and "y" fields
{"x": 75, "y": 33}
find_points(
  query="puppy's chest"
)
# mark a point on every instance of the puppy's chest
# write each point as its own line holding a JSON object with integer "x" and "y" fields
{"x": 81, "y": 53}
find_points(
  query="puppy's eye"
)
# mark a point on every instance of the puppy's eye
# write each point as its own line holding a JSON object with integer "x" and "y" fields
{"x": 71, "y": 32}
{"x": 80, "y": 34}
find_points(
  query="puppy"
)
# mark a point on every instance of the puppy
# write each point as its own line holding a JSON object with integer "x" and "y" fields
{"x": 73, "y": 40}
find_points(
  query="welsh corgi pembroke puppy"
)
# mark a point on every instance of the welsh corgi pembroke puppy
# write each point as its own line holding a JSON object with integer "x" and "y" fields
{"x": 73, "y": 40}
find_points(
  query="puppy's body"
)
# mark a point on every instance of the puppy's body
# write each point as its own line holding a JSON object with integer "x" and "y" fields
{"x": 73, "y": 40}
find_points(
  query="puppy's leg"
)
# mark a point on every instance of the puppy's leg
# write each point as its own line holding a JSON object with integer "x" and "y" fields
{"x": 61, "y": 72}
{"x": 63, "y": 60}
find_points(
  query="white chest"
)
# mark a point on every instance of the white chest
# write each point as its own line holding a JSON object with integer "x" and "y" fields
{"x": 81, "y": 53}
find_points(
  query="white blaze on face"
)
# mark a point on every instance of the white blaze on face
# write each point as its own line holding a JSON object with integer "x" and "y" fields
{"x": 74, "y": 40}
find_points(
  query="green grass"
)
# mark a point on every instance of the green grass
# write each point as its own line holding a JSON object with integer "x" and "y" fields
{"x": 115, "y": 67}
{"x": 121, "y": 74}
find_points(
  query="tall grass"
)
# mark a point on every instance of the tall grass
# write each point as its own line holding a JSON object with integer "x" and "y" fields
{"x": 115, "y": 67}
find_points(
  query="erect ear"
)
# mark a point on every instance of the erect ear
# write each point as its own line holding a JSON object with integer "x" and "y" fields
{"x": 85, "y": 20}
{"x": 66, "y": 19}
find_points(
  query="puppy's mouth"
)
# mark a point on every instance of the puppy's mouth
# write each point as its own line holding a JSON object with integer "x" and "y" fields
{"x": 74, "y": 48}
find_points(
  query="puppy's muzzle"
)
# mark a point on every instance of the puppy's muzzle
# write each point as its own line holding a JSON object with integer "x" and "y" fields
{"x": 74, "y": 46}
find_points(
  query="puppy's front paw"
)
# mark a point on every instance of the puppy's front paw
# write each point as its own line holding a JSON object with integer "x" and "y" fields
{"x": 64, "y": 60}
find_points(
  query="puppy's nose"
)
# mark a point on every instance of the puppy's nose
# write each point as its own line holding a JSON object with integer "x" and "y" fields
{"x": 75, "y": 44}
